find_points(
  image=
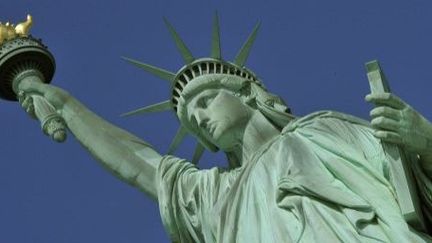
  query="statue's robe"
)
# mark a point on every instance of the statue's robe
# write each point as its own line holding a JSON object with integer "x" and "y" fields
{"x": 325, "y": 178}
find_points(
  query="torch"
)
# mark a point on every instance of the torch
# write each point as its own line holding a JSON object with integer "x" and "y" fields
{"x": 24, "y": 58}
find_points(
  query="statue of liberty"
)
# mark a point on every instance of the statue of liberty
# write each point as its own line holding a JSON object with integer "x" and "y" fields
{"x": 324, "y": 177}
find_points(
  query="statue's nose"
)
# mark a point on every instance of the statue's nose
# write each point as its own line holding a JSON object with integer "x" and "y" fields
{"x": 201, "y": 118}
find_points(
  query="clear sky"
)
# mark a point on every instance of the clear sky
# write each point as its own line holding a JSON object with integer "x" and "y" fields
{"x": 311, "y": 53}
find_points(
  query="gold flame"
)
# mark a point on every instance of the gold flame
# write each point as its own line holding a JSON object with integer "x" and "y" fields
{"x": 9, "y": 32}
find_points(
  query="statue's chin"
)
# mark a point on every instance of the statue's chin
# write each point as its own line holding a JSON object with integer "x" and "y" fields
{"x": 224, "y": 139}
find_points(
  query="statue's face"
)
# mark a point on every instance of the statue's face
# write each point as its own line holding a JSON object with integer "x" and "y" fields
{"x": 219, "y": 116}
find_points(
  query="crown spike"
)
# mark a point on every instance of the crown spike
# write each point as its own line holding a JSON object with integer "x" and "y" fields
{"x": 162, "y": 106}
{"x": 199, "y": 150}
{"x": 181, "y": 133}
{"x": 184, "y": 51}
{"x": 242, "y": 55}
{"x": 159, "y": 72}
{"x": 215, "y": 45}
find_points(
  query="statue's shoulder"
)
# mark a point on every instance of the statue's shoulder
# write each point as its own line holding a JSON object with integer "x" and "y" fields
{"x": 321, "y": 117}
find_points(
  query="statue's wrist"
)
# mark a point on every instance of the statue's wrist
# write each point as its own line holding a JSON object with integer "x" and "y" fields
{"x": 72, "y": 108}
{"x": 426, "y": 163}
{"x": 426, "y": 154}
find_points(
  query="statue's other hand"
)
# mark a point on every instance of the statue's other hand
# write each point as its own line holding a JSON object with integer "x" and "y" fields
{"x": 56, "y": 96}
{"x": 397, "y": 122}
{"x": 27, "y": 104}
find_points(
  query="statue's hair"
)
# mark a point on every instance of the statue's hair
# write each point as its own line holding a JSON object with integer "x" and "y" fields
{"x": 270, "y": 105}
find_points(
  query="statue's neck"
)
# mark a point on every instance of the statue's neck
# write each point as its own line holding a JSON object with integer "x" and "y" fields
{"x": 257, "y": 133}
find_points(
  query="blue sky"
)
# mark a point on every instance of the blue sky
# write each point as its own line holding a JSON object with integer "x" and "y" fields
{"x": 311, "y": 53}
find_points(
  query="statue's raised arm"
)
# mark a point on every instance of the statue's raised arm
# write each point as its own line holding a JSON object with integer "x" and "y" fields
{"x": 26, "y": 68}
{"x": 124, "y": 154}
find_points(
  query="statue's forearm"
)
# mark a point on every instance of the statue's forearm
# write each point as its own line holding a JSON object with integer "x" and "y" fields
{"x": 426, "y": 155}
{"x": 426, "y": 163}
{"x": 127, "y": 156}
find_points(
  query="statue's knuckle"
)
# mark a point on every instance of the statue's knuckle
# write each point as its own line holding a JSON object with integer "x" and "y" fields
{"x": 379, "y": 133}
{"x": 383, "y": 110}
{"x": 400, "y": 114}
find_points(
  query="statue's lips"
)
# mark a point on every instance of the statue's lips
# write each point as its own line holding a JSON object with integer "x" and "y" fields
{"x": 211, "y": 128}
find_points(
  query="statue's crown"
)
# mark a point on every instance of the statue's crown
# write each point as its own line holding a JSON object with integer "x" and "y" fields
{"x": 205, "y": 66}
{"x": 193, "y": 69}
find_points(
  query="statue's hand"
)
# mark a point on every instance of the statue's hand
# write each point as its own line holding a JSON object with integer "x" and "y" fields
{"x": 44, "y": 102}
{"x": 26, "y": 102}
{"x": 397, "y": 122}
{"x": 56, "y": 96}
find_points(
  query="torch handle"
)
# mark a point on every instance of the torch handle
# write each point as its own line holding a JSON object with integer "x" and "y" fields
{"x": 52, "y": 124}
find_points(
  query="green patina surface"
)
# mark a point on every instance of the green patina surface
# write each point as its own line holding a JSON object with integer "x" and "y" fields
{"x": 324, "y": 177}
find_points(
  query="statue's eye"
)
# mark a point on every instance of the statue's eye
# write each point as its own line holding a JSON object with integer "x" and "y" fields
{"x": 204, "y": 102}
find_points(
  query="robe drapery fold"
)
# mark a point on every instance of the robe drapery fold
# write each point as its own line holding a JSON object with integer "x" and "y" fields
{"x": 323, "y": 179}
